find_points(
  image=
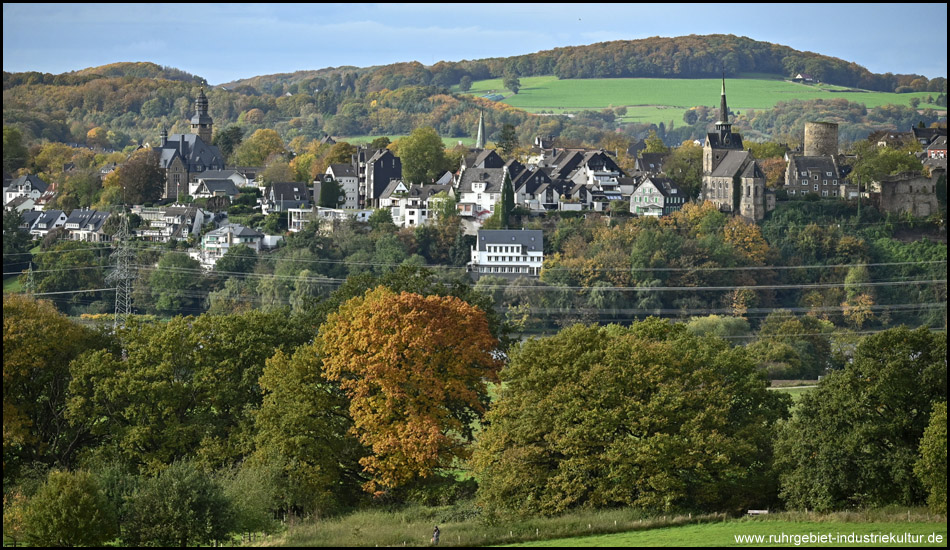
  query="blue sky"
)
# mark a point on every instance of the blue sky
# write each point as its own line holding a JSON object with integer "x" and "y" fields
{"x": 225, "y": 42}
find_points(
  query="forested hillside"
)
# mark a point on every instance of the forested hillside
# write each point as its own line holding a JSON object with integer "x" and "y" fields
{"x": 692, "y": 56}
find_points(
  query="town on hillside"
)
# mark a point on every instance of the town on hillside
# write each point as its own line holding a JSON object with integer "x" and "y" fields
{"x": 197, "y": 189}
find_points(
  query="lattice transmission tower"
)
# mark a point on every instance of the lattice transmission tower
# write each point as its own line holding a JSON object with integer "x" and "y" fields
{"x": 123, "y": 276}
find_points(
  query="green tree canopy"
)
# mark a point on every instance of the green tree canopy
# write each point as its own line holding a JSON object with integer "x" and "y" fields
{"x": 854, "y": 440}
{"x": 257, "y": 149}
{"x": 70, "y": 509}
{"x": 647, "y": 416}
{"x": 182, "y": 506}
{"x": 423, "y": 156}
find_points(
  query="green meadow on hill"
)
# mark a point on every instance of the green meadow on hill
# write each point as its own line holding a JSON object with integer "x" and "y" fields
{"x": 655, "y": 100}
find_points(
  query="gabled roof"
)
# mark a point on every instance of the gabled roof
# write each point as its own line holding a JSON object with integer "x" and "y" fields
{"x": 494, "y": 178}
{"x": 665, "y": 186}
{"x": 215, "y": 186}
{"x": 732, "y": 164}
{"x": 87, "y": 220}
{"x": 287, "y": 191}
{"x": 34, "y": 182}
{"x": 193, "y": 151}
{"x": 342, "y": 171}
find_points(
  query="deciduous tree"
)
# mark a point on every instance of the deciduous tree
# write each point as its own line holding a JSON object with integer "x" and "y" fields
{"x": 854, "y": 440}
{"x": 415, "y": 370}
{"x": 648, "y": 416}
{"x": 70, "y": 509}
{"x": 423, "y": 156}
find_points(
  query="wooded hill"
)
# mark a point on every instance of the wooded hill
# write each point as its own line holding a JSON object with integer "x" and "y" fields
{"x": 692, "y": 56}
{"x": 123, "y": 104}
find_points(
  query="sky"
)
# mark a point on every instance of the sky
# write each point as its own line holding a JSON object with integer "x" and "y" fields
{"x": 227, "y": 42}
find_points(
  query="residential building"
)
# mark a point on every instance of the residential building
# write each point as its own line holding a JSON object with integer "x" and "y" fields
{"x": 215, "y": 244}
{"x": 86, "y": 225}
{"x": 507, "y": 253}
{"x": 166, "y": 223}
{"x": 279, "y": 197}
{"x": 48, "y": 220}
{"x": 657, "y": 196}
{"x": 29, "y": 186}
{"x": 348, "y": 178}
{"x": 820, "y": 176}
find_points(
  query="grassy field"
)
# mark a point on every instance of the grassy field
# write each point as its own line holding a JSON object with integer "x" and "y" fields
{"x": 655, "y": 100}
{"x": 459, "y": 526}
{"x": 757, "y": 532}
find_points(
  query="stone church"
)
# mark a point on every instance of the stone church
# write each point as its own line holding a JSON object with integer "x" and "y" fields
{"x": 732, "y": 179}
{"x": 184, "y": 157}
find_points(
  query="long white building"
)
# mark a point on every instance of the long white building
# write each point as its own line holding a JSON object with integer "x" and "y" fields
{"x": 508, "y": 253}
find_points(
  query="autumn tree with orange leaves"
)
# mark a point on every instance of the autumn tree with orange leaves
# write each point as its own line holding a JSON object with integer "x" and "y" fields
{"x": 415, "y": 369}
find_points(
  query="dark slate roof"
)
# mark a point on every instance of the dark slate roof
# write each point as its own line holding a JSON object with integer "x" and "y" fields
{"x": 532, "y": 181}
{"x": 35, "y": 182}
{"x": 391, "y": 188}
{"x": 236, "y": 229}
{"x": 219, "y": 174}
{"x": 90, "y": 220}
{"x": 927, "y": 135}
{"x": 487, "y": 159}
{"x": 220, "y": 186}
{"x": 732, "y": 164}
{"x": 49, "y": 216}
{"x": 665, "y": 186}
{"x": 289, "y": 191}
{"x": 343, "y": 170}
{"x": 494, "y": 179}
{"x": 939, "y": 143}
{"x": 752, "y": 170}
{"x": 194, "y": 152}
{"x": 822, "y": 165}
{"x": 29, "y": 218}
{"x": 529, "y": 239}
{"x": 714, "y": 140}
{"x": 650, "y": 162}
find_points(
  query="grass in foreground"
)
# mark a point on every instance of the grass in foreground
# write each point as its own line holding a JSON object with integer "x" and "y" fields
{"x": 460, "y": 527}
{"x": 758, "y": 532}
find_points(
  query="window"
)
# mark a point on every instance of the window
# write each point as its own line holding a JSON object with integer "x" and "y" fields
{"x": 816, "y": 187}
{"x": 824, "y": 182}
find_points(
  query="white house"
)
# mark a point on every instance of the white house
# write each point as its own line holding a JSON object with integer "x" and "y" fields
{"x": 215, "y": 244}
{"x": 507, "y": 253}
{"x": 346, "y": 176}
{"x": 657, "y": 196}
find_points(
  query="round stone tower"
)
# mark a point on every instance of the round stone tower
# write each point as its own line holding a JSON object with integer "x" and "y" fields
{"x": 821, "y": 139}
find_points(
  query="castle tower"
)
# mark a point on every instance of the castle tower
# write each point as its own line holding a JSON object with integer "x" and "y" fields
{"x": 821, "y": 139}
{"x": 480, "y": 138}
{"x": 201, "y": 122}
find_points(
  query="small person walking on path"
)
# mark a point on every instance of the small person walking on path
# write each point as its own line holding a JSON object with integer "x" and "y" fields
{"x": 435, "y": 536}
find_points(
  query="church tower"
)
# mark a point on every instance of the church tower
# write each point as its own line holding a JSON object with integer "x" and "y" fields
{"x": 201, "y": 122}
{"x": 480, "y": 138}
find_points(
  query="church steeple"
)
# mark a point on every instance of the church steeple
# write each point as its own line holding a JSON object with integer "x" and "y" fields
{"x": 201, "y": 122}
{"x": 723, "y": 126}
{"x": 723, "y": 110}
{"x": 480, "y": 138}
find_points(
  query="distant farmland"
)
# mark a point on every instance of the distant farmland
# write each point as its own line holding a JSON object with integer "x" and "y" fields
{"x": 655, "y": 100}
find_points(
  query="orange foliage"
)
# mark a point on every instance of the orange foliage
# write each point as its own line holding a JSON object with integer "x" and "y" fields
{"x": 415, "y": 370}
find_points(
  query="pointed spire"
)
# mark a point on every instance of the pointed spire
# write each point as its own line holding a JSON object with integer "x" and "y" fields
{"x": 723, "y": 109}
{"x": 480, "y": 138}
